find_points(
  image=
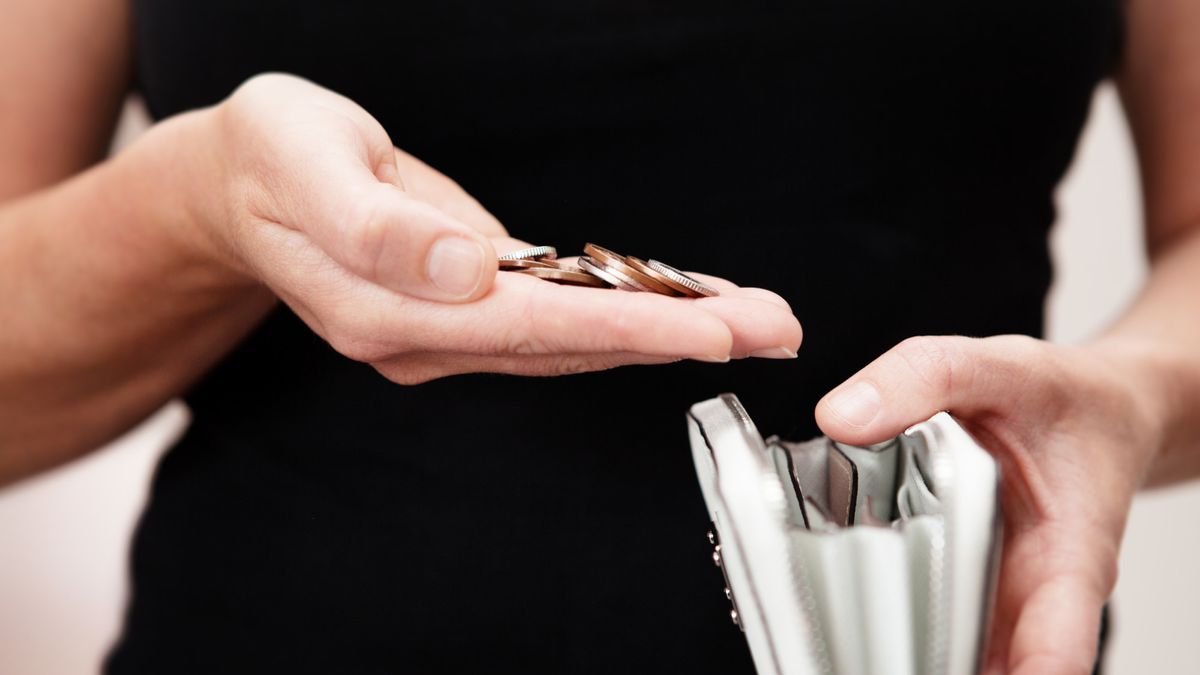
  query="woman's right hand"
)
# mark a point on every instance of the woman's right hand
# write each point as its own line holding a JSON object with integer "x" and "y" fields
{"x": 395, "y": 265}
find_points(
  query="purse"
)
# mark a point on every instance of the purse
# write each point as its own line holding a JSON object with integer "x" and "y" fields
{"x": 841, "y": 559}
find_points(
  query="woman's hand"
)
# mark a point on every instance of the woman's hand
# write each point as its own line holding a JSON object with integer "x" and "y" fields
{"x": 395, "y": 265}
{"x": 1074, "y": 433}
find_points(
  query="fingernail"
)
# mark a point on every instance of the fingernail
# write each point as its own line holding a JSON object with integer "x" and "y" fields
{"x": 857, "y": 404}
{"x": 774, "y": 353}
{"x": 713, "y": 359}
{"x": 455, "y": 265}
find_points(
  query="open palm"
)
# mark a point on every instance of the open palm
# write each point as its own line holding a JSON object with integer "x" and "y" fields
{"x": 352, "y": 234}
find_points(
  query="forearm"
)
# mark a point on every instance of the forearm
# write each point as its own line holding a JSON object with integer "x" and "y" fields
{"x": 1158, "y": 337}
{"x": 115, "y": 300}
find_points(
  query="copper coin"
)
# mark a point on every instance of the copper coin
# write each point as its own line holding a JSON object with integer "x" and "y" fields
{"x": 601, "y": 255}
{"x": 521, "y": 264}
{"x": 622, "y": 272}
{"x": 618, "y": 265}
{"x": 559, "y": 264}
{"x": 642, "y": 267}
{"x": 567, "y": 277}
{"x": 532, "y": 253}
{"x": 606, "y": 273}
{"x": 680, "y": 281}
{"x": 642, "y": 278}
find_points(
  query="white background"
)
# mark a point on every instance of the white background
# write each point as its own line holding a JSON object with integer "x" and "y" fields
{"x": 64, "y": 536}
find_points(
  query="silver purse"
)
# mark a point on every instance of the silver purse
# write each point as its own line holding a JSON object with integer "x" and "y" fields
{"x": 841, "y": 559}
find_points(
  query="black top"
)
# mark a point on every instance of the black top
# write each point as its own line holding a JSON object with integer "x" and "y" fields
{"x": 887, "y": 166}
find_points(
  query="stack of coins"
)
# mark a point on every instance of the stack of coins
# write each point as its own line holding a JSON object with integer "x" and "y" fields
{"x": 601, "y": 268}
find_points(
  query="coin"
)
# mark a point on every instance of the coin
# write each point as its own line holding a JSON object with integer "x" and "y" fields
{"x": 642, "y": 267}
{"x": 558, "y": 264}
{"x": 532, "y": 253}
{"x": 589, "y": 265}
{"x": 600, "y": 267}
{"x": 618, "y": 266}
{"x": 521, "y": 264}
{"x": 680, "y": 281}
{"x": 601, "y": 255}
{"x": 567, "y": 277}
{"x": 624, "y": 274}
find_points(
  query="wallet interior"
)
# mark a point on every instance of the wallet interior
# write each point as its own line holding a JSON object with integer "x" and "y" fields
{"x": 872, "y": 560}
{"x": 836, "y": 485}
{"x": 866, "y": 526}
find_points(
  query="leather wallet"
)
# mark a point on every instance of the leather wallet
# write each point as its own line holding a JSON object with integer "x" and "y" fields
{"x": 841, "y": 559}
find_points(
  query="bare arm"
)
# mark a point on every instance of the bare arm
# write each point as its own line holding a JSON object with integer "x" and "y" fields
{"x": 1160, "y": 87}
{"x": 127, "y": 281}
{"x": 77, "y": 256}
{"x": 108, "y": 311}
{"x": 1076, "y": 429}
{"x": 64, "y": 71}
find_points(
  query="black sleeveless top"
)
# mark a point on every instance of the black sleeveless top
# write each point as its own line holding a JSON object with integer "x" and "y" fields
{"x": 886, "y": 166}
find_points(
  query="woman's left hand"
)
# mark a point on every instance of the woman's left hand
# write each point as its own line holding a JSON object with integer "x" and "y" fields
{"x": 1074, "y": 434}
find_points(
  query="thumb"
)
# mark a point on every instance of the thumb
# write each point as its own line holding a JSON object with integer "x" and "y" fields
{"x": 316, "y": 162}
{"x": 379, "y": 232}
{"x": 921, "y": 376}
{"x": 406, "y": 245}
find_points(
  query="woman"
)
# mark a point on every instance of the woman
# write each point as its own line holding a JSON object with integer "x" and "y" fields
{"x": 886, "y": 168}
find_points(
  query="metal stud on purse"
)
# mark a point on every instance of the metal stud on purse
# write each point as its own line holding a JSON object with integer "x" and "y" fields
{"x": 843, "y": 560}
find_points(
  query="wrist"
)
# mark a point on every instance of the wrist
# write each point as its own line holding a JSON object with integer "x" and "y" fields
{"x": 181, "y": 197}
{"x": 1155, "y": 377}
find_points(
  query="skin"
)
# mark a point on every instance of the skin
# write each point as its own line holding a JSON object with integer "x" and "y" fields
{"x": 137, "y": 273}
{"x": 140, "y": 272}
{"x": 1076, "y": 429}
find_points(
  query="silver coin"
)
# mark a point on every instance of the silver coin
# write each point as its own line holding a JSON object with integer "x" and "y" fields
{"x": 532, "y": 253}
{"x": 590, "y": 266}
{"x": 681, "y": 279}
{"x": 619, "y": 266}
{"x": 647, "y": 277}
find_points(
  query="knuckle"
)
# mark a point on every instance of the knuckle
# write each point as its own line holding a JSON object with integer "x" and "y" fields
{"x": 933, "y": 360}
{"x": 253, "y": 96}
{"x": 527, "y": 331}
{"x": 572, "y": 364}
{"x": 565, "y": 364}
{"x": 1024, "y": 359}
{"x": 1020, "y": 347}
{"x": 525, "y": 345}
{"x": 365, "y": 233}
{"x": 265, "y": 89}
{"x": 269, "y": 81}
